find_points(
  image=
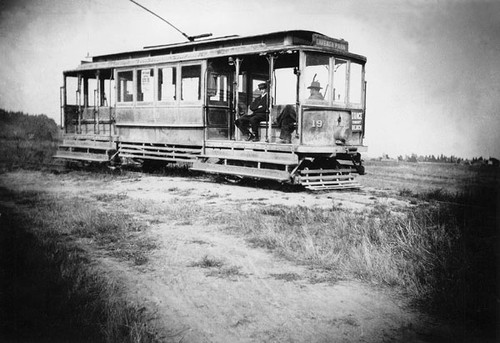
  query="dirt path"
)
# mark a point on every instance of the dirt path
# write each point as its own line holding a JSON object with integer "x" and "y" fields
{"x": 252, "y": 295}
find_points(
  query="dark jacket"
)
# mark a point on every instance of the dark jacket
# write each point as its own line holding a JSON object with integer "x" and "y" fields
{"x": 259, "y": 105}
{"x": 287, "y": 117}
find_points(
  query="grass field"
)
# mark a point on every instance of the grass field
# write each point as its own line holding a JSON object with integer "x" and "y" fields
{"x": 424, "y": 177}
{"x": 441, "y": 252}
{"x": 34, "y": 154}
{"x": 52, "y": 291}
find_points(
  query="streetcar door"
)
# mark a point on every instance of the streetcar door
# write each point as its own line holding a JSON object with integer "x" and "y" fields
{"x": 219, "y": 111}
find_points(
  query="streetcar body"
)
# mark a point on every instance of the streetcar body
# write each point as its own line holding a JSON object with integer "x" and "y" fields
{"x": 179, "y": 103}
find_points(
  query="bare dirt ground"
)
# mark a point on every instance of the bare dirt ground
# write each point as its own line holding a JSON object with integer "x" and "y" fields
{"x": 269, "y": 300}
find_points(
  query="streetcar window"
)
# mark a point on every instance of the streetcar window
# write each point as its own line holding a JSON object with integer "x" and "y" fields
{"x": 219, "y": 91}
{"x": 355, "y": 83}
{"x": 286, "y": 86}
{"x": 190, "y": 83}
{"x": 317, "y": 75}
{"x": 72, "y": 96}
{"x": 125, "y": 86}
{"x": 145, "y": 83}
{"x": 167, "y": 81}
{"x": 339, "y": 80}
{"x": 107, "y": 97}
{"x": 91, "y": 93}
{"x": 242, "y": 82}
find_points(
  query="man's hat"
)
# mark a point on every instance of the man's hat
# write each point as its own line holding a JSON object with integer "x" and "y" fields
{"x": 262, "y": 85}
{"x": 315, "y": 84}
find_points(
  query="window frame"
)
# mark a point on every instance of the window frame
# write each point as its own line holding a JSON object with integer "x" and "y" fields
{"x": 119, "y": 101}
{"x": 137, "y": 71}
{"x": 178, "y": 86}
{"x": 361, "y": 84}
{"x": 167, "y": 101}
{"x": 221, "y": 91}
{"x": 201, "y": 85}
{"x": 346, "y": 102}
{"x": 178, "y": 77}
{"x": 304, "y": 93}
{"x": 72, "y": 94}
{"x": 278, "y": 99}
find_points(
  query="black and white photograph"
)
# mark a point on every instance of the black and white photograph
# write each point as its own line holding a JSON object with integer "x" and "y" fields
{"x": 249, "y": 171}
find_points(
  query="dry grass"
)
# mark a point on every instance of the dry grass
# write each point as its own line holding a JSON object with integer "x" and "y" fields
{"x": 208, "y": 262}
{"x": 438, "y": 254}
{"x": 218, "y": 268}
{"x": 27, "y": 154}
{"x": 97, "y": 306}
{"x": 287, "y": 276}
{"x": 425, "y": 177}
{"x": 228, "y": 272}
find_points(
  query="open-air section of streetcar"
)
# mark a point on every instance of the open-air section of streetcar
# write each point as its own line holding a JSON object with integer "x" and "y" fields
{"x": 288, "y": 106}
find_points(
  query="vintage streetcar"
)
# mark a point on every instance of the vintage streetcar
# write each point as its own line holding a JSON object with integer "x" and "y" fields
{"x": 179, "y": 103}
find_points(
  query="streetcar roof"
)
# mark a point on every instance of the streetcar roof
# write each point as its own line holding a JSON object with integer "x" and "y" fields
{"x": 223, "y": 46}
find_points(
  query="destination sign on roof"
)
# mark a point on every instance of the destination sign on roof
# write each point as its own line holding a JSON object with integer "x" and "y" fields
{"x": 330, "y": 42}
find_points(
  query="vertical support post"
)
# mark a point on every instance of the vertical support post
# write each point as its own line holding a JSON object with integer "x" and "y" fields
{"x": 85, "y": 92}
{"x": 296, "y": 71}
{"x": 270, "y": 58}
{"x": 85, "y": 100}
{"x": 110, "y": 102}
{"x": 97, "y": 102}
{"x": 236, "y": 86}
{"x": 64, "y": 101}
{"x": 364, "y": 106}
{"x": 79, "y": 101}
{"x": 205, "y": 106}
{"x": 348, "y": 83}
{"x": 61, "y": 101}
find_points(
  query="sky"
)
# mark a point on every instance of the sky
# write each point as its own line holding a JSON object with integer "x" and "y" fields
{"x": 433, "y": 67}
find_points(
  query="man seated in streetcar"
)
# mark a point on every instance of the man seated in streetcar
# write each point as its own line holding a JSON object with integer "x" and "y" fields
{"x": 259, "y": 108}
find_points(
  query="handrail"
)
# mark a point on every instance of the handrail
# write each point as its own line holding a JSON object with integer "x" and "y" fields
{"x": 62, "y": 90}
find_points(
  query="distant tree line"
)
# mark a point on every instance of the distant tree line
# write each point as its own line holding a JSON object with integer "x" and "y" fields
{"x": 21, "y": 126}
{"x": 441, "y": 159}
{"x": 431, "y": 158}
